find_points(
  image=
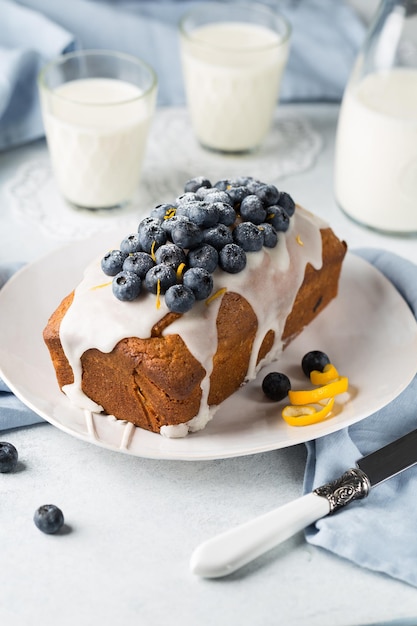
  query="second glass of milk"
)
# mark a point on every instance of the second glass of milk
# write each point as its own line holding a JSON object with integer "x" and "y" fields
{"x": 376, "y": 143}
{"x": 233, "y": 57}
{"x": 97, "y": 108}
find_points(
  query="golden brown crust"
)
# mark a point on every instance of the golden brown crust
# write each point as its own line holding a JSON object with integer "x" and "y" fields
{"x": 231, "y": 361}
{"x": 319, "y": 286}
{"x": 63, "y": 370}
{"x": 156, "y": 381}
{"x": 150, "y": 382}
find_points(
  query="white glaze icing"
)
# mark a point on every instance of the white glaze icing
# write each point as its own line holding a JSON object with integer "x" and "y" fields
{"x": 270, "y": 282}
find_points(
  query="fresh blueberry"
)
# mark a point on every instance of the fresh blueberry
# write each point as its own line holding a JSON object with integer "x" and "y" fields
{"x": 199, "y": 281}
{"x": 130, "y": 244}
{"x": 218, "y": 236}
{"x": 195, "y": 183}
{"x": 202, "y": 192}
{"x": 185, "y": 198}
{"x": 253, "y": 185}
{"x": 187, "y": 235}
{"x": 248, "y": 236}
{"x": 169, "y": 223}
{"x": 151, "y": 237}
{"x": 48, "y": 518}
{"x": 236, "y": 194}
{"x": 112, "y": 262}
{"x": 270, "y": 235}
{"x": 179, "y": 299}
{"x": 287, "y": 203}
{"x": 204, "y": 214}
{"x": 242, "y": 181}
{"x": 8, "y": 457}
{"x": 227, "y": 214}
{"x": 126, "y": 286}
{"x": 232, "y": 258}
{"x": 215, "y": 195}
{"x": 269, "y": 194}
{"x": 149, "y": 221}
{"x": 160, "y": 277}
{"x": 279, "y": 218}
{"x": 161, "y": 211}
{"x": 170, "y": 254}
{"x": 138, "y": 262}
{"x": 276, "y": 386}
{"x": 314, "y": 360}
{"x": 204, "y": 256}
{"x": 252, "y": 209}
{"x": 222, "y": 185}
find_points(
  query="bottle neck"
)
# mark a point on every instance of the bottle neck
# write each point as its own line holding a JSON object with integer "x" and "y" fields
{"x": 388, "y": 43}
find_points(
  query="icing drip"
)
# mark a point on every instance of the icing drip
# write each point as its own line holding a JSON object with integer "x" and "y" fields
{"x": 270, "y": 282}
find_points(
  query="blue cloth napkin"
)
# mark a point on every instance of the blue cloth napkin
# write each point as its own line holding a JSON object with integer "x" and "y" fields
{"x": 326, "y": 36}
{"x": 378, "y": 532}
{"x": 13, "y": 413}
{"x": 27, "y": 41}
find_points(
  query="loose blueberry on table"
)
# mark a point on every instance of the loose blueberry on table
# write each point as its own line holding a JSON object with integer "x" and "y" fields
{"x": 8, "y": 457}
{"x": 48, "y": 518}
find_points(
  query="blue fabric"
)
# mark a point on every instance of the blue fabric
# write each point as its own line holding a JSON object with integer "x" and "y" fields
{"x": 27, "y": 41}
{"x": 378, "y": 532}
{"x": 326, "y": 36}
{"x": 13, "y": 413}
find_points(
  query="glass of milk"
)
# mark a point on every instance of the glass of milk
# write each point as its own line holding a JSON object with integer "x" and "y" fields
{"x": 97, "y": 108}
{"x": 376, "y": 144}
{"x": 233, "y": 58}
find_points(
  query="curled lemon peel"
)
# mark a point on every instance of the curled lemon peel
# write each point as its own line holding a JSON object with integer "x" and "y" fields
{"x": 307, "y": 414}
{"x": 340, "y": 385}
{"x": 311, "y": 406}
{"x": 299, "y": 240}
{"x": 328, "y": 374}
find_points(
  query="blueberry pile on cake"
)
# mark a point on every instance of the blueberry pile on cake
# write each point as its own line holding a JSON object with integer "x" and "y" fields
{"x": 180, "y": 313}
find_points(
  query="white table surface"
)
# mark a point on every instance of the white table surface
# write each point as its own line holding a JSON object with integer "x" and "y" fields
{"x": 133, "y": 523}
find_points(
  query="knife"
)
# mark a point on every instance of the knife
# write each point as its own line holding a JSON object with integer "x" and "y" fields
{"x": 234, "y": 548}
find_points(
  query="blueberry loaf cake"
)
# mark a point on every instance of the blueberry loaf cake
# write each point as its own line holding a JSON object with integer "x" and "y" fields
{"x": 181, "y": 313}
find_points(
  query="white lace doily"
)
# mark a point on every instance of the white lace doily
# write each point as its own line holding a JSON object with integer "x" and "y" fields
{"x": 173, "y": 156}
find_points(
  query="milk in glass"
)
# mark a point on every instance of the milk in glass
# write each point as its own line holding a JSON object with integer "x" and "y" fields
{"x": 232, "y": 73}
{"x": 96, "y": 130}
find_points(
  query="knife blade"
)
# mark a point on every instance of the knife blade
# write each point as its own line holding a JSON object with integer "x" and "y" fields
{"x": 231, "y": 550}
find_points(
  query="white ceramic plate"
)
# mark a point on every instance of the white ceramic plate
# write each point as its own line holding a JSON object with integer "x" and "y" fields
{"x": 368, "y": 331}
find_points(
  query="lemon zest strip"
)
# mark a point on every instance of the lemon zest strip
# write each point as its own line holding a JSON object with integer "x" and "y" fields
{"x": 170, "y": 213}
{"x": 218, "y": 293}
{"x": 153, "y": 251}
{"x": 180, "y": 271}
{"x": 158, "y": 294}
{"x": 101, "y": 286}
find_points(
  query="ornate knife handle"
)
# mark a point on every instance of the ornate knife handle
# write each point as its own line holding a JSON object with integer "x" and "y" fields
{"x": 352, "y": 485}
{"x": 225, "y": 553}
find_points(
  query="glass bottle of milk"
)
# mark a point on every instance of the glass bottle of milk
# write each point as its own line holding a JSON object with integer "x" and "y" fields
{"x": 375, "y": 174}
